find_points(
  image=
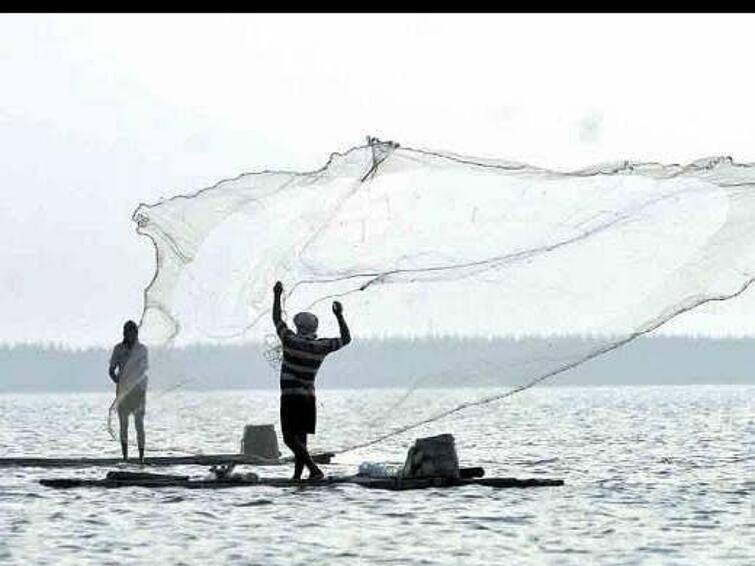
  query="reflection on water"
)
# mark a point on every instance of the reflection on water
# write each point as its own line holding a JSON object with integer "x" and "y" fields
{"x": 659, "y": 475}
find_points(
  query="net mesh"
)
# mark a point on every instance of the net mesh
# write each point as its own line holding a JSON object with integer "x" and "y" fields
{"x": 416, "y": 242}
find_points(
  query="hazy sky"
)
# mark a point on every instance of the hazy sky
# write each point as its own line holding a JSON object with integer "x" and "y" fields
{"x": 101, "y": 112}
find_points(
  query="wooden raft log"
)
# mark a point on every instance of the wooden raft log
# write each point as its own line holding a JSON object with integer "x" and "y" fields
{"x": 127, "y": 479}
{"x": 198, "y": 459}
{"x": 402, "y": 484}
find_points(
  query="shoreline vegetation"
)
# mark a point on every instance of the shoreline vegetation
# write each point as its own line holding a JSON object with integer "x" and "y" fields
{"x": 397, "y": 362}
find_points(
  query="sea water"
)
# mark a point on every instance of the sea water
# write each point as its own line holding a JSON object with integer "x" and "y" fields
{"x": 654, "y": 475}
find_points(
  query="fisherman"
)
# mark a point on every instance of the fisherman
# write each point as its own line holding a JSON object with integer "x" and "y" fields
{"x": 303, "y": 353}
{"x": 128, "y": 369}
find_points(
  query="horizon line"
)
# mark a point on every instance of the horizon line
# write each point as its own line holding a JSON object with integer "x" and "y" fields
{"x": 61, "y": 345}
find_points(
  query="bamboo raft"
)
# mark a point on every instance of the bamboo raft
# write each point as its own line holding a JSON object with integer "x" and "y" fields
{"x": 131, "y": 479}
{"x": 198, "y": 459}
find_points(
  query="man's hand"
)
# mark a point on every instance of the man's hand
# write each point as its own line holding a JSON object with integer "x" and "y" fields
{"x": 277, "y": 292}
{"x": 342, "y": 326}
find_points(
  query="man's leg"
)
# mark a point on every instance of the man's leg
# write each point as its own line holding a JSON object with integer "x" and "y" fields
{"x": 123, "y": 420}
{"x": 314, "y": 471}
{"x": 298, "y": 465}
{"x": 290, "y": 441}
{"x": 293, "y": 441}
{"x": 139, "y": 423}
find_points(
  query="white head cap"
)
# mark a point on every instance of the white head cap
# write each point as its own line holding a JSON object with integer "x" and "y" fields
{"x": 306, "y": 324}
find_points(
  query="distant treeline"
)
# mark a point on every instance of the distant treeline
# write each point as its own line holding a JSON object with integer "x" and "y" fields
{"x": 397, "y": 362}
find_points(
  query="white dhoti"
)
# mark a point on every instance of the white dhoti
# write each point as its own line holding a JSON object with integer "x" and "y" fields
{"x": 134, "y": 401}
{"x": 131, "y": 393}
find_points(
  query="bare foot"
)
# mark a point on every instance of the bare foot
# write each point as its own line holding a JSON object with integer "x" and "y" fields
{"x": 316, "y": 475}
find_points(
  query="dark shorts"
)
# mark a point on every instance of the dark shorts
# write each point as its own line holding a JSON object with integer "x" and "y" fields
{"x": 298, "y": 414}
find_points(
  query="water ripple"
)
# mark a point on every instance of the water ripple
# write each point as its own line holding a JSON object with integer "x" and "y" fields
{"x": 657, "y": 475}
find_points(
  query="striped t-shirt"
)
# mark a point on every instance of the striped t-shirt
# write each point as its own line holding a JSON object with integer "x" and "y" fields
{"x": 301, "y": 360}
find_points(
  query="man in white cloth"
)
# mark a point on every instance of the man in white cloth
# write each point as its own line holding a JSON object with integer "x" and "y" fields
{"x": 128, "y": 369}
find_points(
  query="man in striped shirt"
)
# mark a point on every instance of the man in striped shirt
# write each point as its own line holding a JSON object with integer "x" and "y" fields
{"x": 303, "y": 353}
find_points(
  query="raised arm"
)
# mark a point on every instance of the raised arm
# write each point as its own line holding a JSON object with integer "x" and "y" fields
{"x": 342, "y": 326}
{"x": 280, "y": 327}
{"x": 277, "y": 292}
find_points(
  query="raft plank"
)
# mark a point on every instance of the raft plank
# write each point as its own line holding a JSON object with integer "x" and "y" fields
{"x": 124, "y": 479}
{"x": 401, "y": 484}
{"x": 198, "y": 459}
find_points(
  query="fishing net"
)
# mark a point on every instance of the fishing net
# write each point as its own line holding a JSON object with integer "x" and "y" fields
{"x": 416, "y": 242}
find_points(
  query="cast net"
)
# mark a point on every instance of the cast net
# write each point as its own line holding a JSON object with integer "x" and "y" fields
{"x": 416, "y": 242}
